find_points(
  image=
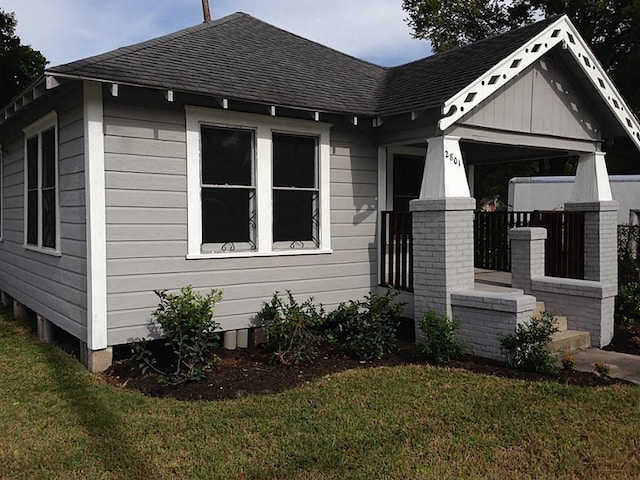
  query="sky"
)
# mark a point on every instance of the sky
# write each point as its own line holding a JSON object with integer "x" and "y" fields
{"x": 67, "y": 30}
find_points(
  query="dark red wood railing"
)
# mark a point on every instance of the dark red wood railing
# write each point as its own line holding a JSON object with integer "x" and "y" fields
{"x": 396, "y": 262}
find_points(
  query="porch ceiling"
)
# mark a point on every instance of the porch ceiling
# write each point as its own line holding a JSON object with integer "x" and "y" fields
{"x": 484, "y": 153}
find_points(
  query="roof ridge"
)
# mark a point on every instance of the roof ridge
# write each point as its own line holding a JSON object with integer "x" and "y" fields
{"x": 360, "y": 60}
{"x": 136, "y": 47}
{"x": 475, "y": 44}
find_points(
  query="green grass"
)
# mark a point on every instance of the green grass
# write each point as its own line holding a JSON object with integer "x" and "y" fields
{"x": 59, "y": 421}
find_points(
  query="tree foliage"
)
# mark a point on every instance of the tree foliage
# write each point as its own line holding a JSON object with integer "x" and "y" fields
{"x": 611, "y": 27}
{"x": 19, "y": 64}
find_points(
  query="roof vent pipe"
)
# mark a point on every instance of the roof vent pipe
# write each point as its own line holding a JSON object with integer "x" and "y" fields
{"x": 205, "y": 10}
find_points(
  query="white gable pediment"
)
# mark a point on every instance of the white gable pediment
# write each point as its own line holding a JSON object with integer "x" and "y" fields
{"x": 561, "y": 32}
{"x": 541, "y": 100}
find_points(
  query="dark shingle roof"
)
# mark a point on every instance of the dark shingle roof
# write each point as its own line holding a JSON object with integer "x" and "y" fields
{"x": 240, "y": 57}
{"x": 431, "y": 81}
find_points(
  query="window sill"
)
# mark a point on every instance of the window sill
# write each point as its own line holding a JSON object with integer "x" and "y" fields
{"x": 274, "y": 253}
{"x": 46, "y": 251}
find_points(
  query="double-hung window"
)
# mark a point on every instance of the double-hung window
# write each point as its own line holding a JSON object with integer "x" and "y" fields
{"x": 296, "y": 213}
{"x": 41, "y": 184}
{"x": 257, "y": 184}
{"x": 228, "y": 189}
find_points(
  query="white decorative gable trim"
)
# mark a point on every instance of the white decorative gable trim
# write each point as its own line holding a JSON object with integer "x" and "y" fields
{"x": 561, "y": 31}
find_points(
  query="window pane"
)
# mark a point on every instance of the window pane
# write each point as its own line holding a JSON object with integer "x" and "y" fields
{"x": 293, "y": 215}
{"x": 32, "y": 162}
{"x": 49, "y": 158}
{"x": 49, "y": 218}
{"x": 294, "y": 161}
{"x": 227, "y": 156}
{"x": 32, "y": 217}
{"x": 226, "y": 215}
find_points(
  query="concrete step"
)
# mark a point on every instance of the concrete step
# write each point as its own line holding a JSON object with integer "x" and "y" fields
{"x": 540, "y": 308}
{"x": 569, "y": 340}
{"x": 560, "y": 322}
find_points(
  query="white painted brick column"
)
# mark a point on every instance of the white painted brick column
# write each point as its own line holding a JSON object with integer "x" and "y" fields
{"x": 601, "y": 240}
{"x": 527, "y": 256}
{"x": 442, "y": 253}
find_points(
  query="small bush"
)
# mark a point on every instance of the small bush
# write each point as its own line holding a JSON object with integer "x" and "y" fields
{"x": 292, "y": 330}
{"x": 186, "y": 320}
{"x": 628, "y": 304}
{"x": 568, "y": 362}
{"x": 368, "y": 327}
{"x": 527, "y": 348}
{"x": 440, "y": 343}
{"x": 601, "y": 368}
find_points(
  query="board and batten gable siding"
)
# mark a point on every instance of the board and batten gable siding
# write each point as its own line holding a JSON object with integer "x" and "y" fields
{"x": 146, "y": 212}
{"x": 541, "y": 101}
{"x": 52, "y": 286}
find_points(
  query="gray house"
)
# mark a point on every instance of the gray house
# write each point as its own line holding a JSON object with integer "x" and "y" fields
{"x": 236, "y": 155}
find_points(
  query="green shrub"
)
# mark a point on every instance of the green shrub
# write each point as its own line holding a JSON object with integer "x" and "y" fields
{"x": 628, "y": 254}
{"x": 527, "y": 348}
{"x": 292, "y": 330}
{"x": 628, "y": 304}
{"x": 601, "y": 369}
{"x": 368, "y": 327}
{"x": 440, "y": 343}
{"x": 186, "y": 320}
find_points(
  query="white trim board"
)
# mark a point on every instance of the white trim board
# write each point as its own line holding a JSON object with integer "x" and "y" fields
{"x": 562, "y": 31}
{"x": 96, "y": 217}
{"x": 263, "y": 126}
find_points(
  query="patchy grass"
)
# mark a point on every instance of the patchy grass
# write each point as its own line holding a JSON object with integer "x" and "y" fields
{"x": 416, "y": 422}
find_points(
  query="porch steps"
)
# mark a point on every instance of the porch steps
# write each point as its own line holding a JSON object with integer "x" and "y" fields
{"x": 569, "y": 340}
{"x": 564, "y": 340}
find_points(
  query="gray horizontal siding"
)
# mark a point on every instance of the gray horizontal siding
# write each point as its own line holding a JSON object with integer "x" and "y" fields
{"x": 54, "y": 287}
{"x": 145, "y": 158}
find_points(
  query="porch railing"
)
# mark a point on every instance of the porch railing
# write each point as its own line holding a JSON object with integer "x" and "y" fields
{"x": 564, "y": 245}
{"x": 396, "y": 262}
{"x": 492, "y": 250}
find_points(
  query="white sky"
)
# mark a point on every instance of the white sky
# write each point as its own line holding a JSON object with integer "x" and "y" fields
{"x": 67, "y": 30}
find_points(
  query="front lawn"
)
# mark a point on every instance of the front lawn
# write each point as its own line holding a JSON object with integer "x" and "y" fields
{"x": 405, "y": 422}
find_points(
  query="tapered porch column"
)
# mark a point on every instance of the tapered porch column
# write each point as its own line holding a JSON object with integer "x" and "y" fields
{"x": 592, "y": 194}
{"x": 442, "y": 230}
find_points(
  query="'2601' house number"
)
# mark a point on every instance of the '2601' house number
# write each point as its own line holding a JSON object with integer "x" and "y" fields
{"x": 453, "y": 158}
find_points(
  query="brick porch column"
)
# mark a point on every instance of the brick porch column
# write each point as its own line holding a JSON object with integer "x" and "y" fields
{"x": 442, "y": 253}
{"x": 592, "y": 195}
{"x": 600, "y": 240}
{"x": 527, "y": 256}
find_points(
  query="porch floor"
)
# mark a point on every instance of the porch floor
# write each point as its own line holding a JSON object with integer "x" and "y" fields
{"x": 492, "y": 280}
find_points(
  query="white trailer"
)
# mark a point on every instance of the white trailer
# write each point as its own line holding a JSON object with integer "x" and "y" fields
{"x": 551, "y": 193}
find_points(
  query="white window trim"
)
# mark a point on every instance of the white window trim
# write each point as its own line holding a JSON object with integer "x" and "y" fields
{"x": 264, "y": 126}
{"x": 50, "y": 120}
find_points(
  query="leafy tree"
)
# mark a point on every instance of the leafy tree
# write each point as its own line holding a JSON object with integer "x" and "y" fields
{"x": 19, "y": 64}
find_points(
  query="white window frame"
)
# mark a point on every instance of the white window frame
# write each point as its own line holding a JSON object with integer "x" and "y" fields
{"x": 36, "y": 128}
{"x": 264, "y": 127}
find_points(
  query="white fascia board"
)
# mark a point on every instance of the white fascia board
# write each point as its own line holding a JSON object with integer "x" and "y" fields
{"x": 601, "y": 82}
{"x": 560, "y": 31}
{"x": 94, "y": 171}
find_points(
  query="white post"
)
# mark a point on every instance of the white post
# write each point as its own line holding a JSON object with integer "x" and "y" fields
{"x": 444, "y": 175}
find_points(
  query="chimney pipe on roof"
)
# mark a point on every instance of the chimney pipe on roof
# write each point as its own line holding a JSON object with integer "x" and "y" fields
{"x": 205, "y": 10}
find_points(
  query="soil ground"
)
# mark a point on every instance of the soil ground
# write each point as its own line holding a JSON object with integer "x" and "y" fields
{"x": 238, "y": 373}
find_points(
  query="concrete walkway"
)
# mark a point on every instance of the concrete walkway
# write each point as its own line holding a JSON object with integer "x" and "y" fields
{"x": 621, "y": 365}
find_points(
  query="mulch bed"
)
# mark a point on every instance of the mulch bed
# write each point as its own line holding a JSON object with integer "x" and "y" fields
{"x": 626, "y": 339}
{"x": 238, "y": 373}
